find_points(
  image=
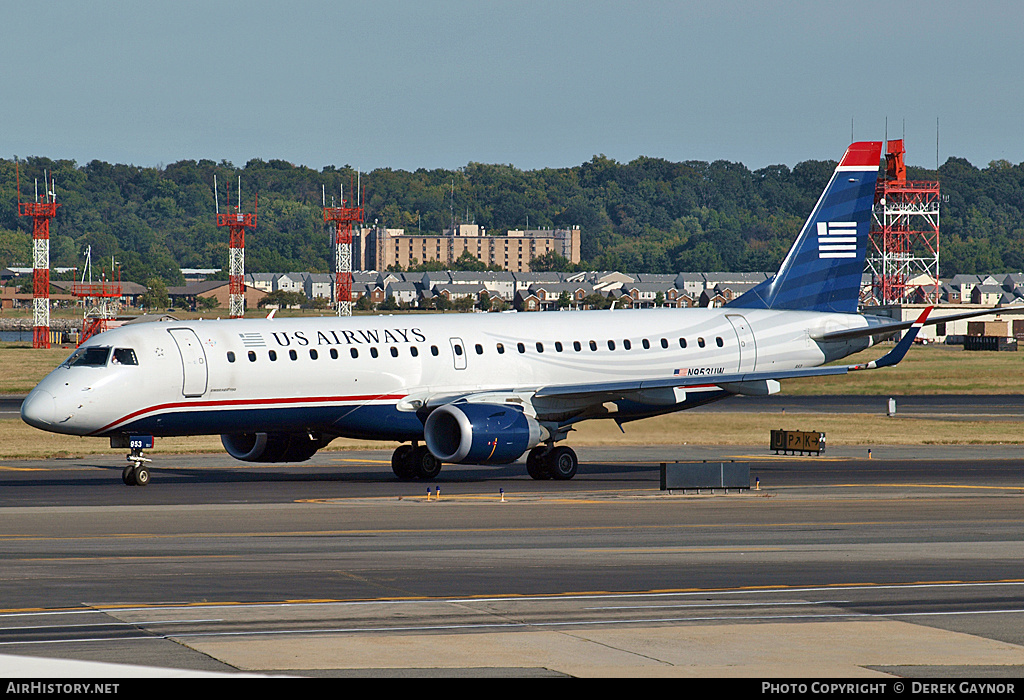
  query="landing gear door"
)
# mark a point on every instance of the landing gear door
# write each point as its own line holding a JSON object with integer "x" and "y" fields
{"x": 193, "y": 361}
{"x": 745, "y": 340}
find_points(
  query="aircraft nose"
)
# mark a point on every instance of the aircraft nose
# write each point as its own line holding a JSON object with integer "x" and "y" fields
{"x": 39, "y": 409}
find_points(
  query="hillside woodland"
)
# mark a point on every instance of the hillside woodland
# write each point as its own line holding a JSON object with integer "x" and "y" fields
{"x": 648, "y": 215}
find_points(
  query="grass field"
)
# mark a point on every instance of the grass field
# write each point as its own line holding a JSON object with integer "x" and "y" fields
{"x": 690, "y": 427}
{"x": 933, "y": 369}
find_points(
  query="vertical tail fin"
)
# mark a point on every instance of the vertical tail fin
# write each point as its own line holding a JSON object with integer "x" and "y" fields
{"x": 823, "y": 269}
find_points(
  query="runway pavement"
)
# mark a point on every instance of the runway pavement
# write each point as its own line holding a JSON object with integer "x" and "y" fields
{"x": 904, "y": 564}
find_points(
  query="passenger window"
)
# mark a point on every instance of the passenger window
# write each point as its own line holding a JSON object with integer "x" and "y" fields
{"x": 700, "y": 342}
{"x": 125, "y": 356}
{"x": 373, "y": 352}
{"x": 394, "y": 351}
{"x": 252, "y": 356}
{"x": 313, "y": 354}
{"x": 334, "y": 353}
{"x": 593, "y": 345}
{"x": 292, "y": 354}
{"x": 626, "y": 344}
{"x": 413, "y": 350}
{"x": 479, "y": 349}
{"x": 719, "y": 342}
{"x": 501, "y": 349}
{"x": 433, "y": 350}
{"x": 611, "y": 344}
{"x": 576, "y": 345}
{"x": 354, "y": 352}
{"x": 520, "y": 347}
{"x": 646, "y": 344}
{"x": 558, "y": 346}
{"x": 540, "y": 347}
{"x": 231, "y": 356}
{"x": 273, "y": 355}
{"x": 664, "y": 342}
{"x": 682, "y": 342}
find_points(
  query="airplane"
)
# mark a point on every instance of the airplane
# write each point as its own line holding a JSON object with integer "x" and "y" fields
{"x": 476, "y": 388}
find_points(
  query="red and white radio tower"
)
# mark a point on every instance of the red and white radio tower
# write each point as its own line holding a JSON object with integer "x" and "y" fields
{"x": 236, "y": 222}
{"x": 904, "y": 254}
{"x": 343, "y": 217}
{"x": 41, "y": 212}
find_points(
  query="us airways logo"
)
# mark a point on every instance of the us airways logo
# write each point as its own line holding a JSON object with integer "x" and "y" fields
{"x": 389, "y": 336}
{"x": 837, "y": 239}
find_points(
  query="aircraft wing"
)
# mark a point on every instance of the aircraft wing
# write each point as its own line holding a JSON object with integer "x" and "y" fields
{"x": 745, "y": 382}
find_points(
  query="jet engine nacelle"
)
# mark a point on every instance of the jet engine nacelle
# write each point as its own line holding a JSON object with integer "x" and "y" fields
{"x": 477, "y": 433}
{"x": 271, "y": 447}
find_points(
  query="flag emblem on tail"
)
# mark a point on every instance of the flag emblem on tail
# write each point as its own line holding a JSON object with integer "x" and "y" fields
{"x": 837, "y": 239}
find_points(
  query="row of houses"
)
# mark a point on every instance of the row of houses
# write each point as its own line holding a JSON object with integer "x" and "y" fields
{"x": 522, "y": 290}
{"x": 530, "y": 291}
{"x": 541, "y": 290}
{"x": 985, "y": 290}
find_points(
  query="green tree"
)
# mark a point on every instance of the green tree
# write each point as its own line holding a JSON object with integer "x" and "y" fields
{"x": 282, "y": 298}
{"x": 207, "y": 303}
{"x": 156, "y": 296}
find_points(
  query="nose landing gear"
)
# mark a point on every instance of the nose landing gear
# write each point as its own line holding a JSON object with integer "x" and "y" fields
{"x": 136, "y": 473}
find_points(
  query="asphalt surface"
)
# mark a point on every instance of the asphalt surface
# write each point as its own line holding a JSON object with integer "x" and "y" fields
{"x": 904, "y": 564}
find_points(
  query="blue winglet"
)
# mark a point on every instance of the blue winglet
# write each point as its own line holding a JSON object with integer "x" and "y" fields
{"x": 897, "y": 353}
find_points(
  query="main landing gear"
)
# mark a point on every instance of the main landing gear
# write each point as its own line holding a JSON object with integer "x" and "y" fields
{"x": 136, "y": 473}
{"x": 414, "y": 462}
{"x": 546, "y": 462}
{"x": 543, "y": 462}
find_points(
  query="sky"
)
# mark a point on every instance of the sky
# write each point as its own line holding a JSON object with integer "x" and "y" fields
{"x": 441, "y": 83}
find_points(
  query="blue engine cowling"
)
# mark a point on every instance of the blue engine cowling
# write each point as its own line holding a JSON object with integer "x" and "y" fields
{"x": 271, "y": 447}
{"x": 480, "y": 433}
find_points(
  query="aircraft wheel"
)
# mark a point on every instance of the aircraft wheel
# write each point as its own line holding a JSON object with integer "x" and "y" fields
{"x": 401, "y": 462}
{"x": 563, "y": 463}
{"x": 536, "y": 465}
{"x": 425, "y": 464}
{"x": 140, "y": 475}
{"x": 127, "y": 476}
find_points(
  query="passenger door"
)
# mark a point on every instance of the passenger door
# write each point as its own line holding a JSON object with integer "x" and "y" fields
{"x": 193, "y": 361}
{"x": 745, "y": 339}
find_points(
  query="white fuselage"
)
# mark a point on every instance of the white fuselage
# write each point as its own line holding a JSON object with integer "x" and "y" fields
{"x": 367, "y": 376}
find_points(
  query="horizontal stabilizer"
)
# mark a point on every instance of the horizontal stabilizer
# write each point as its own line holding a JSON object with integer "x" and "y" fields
{"x": 878, "y": 325}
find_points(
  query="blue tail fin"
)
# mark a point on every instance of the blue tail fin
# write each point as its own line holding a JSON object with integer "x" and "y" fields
{"x": 823, "y": 269}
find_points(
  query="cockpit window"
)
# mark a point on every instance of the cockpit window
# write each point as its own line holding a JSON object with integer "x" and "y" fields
{"x": 124, "y": 356}
{"x": 89, "y": 357}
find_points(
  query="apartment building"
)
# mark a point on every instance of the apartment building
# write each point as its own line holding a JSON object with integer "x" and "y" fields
{"x": 378, "y": 248}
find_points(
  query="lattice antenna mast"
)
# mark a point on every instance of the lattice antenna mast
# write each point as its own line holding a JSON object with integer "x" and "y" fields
{"x": 904, "y": 234}
{"x": 100, "y": 299}
{"x": 343, "y": 218}
{"x": 42, "y": 212}
{"x": 236, "y": 222}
